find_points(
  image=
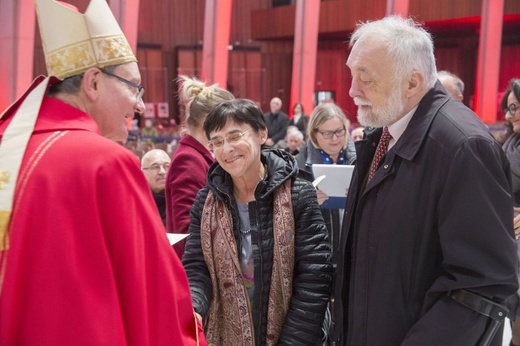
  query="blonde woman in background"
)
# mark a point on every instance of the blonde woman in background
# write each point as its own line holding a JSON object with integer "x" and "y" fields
{"x": 329, "y": 143}
{"x": 190, "y": 163}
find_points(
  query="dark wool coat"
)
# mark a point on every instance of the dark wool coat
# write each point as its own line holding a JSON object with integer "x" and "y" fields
{"x": 312, "y": 263}
{"x": 437, "y": 217}
{"x": 276, "y": 125}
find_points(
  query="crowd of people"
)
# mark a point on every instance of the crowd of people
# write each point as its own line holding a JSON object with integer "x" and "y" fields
{"x": 423, "y": 252}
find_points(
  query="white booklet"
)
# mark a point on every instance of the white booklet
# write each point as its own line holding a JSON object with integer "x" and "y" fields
{"x": 333, "y": 180}
{"x": 175, "y": 237}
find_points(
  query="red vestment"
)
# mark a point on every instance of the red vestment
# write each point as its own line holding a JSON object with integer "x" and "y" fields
{"x": 89, "y": 262}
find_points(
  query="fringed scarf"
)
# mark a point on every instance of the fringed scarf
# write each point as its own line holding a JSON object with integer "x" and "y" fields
{"x": 230, "y": 320}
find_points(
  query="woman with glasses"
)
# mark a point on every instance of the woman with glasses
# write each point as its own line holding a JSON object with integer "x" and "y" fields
{"x": 510, "y": 106}
{"x": 192, "y": 158}
{"x": 329, "y": 143}
{"x": 258, "y": 253}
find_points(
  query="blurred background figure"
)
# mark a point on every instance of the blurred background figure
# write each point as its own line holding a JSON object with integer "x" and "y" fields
{"x": 357, "y": 134}
{"x": 510, "y": 106}
{"x": 452, "y": 83}
{"x": 192, "y": 158}
{"x": 154, "y": 165}
{"x": 149, "y": 131}
{"x": 329, "y": 143}
{"x": 299, "y": 119}
{"x": 277, "y": 122}
{"x": 294, "y": 140}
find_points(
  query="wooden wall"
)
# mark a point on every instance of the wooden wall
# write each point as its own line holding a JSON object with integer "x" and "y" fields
{"x": 170, "y": 34}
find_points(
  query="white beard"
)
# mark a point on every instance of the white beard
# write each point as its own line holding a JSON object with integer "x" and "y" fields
{"x": 383, "y": 116}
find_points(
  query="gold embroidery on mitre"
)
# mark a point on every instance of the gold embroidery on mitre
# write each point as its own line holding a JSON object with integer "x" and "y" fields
{"x": 71, "y": 60}
{"x": 110, "y": 49}
{"x": 5, "y": 216}
{"x": 75, "y": 59}
{"x": 74, "y": 42}
{"x": 4, "y": 178}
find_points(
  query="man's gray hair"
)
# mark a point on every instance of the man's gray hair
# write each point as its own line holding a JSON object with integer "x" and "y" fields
{"x": 407, "y": 42}
{"x": 458, "y": 82}
{"x": 72, "y": 85}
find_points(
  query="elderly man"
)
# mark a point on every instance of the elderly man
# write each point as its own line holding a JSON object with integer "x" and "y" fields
{"x": 427, "y": 249}
{"x": 277, "y": 122}
{"x": 84, "y": 256}
{"x": 154, "y": 165}
{"x": 357, "y": 134}
{"x": 453, "y": 84}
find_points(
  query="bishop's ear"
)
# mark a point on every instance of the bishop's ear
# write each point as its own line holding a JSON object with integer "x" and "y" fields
{"x": 91, "y": 83}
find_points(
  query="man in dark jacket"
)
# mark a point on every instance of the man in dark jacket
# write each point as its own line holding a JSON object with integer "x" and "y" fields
{"x": 276, "y": 121}
{"x": 428, "y": 238}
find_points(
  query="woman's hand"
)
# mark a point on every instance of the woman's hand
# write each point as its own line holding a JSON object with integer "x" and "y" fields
{"x": 322, "y": 196}
{"x": 516, "y": 222}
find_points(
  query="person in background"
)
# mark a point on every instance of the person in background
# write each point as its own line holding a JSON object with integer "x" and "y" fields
{"x": 357, "y": 134}
{"x": 329, "y": 143}
{"x": 299, "y": 119}
{"x": 84, "y": 256}
{"x": 510, "y": 105}
{"x": 453, "y": 84}
{"x": 427, "y": 246}
{"x": 294, "y": 140}
{"x": 191, "y": 159}
{"x": 277, "y": 122}
{"x": 154, "y": 165}
{"x": 258, "y": 254}
{"x": 149, "y": 131}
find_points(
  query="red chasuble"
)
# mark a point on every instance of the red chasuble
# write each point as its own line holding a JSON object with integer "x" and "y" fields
{"x": 89, "y": 262}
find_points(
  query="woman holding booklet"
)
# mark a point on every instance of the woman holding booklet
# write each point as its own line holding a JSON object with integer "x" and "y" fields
{"x": 329, "y": 143}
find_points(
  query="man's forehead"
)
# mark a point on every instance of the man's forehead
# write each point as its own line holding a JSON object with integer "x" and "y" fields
{"x": 130, "y": 70}
{"x": 366, "y": 57}
{"x": 157, "y": 157}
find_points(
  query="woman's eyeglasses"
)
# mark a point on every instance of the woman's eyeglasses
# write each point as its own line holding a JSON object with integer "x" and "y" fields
{"x": 140, "y": 88}
{"x": 511, "y": 109}
{"x": 328, "y": 134}
{"x": 217, "y": 143}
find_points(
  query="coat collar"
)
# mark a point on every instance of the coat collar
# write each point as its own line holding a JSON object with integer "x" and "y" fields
{"x": 408, "y": 145}
{"x": 410, "y": 141}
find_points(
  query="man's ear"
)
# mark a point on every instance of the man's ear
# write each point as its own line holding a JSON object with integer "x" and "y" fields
{"x": 415, "y": 83}
{"x": 91, "y": 83}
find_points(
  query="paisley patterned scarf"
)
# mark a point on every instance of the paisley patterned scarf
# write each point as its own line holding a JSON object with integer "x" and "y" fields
{"x": 230, "y": 320}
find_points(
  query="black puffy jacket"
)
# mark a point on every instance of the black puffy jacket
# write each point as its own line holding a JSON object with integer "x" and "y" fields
{"x": 312, "y": 262}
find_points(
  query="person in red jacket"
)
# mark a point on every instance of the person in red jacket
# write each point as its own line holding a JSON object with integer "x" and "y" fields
{"x": 83, "y": 254}
{"x": 190, "y": 163}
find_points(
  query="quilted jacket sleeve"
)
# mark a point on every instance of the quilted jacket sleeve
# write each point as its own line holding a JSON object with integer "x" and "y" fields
{"x": 193, "y": 259}
{"x": 312, "y": 270}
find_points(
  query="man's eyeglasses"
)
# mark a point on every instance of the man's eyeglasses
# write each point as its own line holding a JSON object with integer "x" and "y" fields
{"x": 217, "y": 143}
{"x": 156, "y": 167}
{"x": 328, "y": 134}
{"x": 140, "y": 88}
{"x": 511, "y": 108}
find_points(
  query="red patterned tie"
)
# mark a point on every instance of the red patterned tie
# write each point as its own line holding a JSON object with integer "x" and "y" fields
{"x": 382, "y": 147}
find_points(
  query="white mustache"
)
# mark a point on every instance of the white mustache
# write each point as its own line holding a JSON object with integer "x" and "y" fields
{"x": 360, "y": 102}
